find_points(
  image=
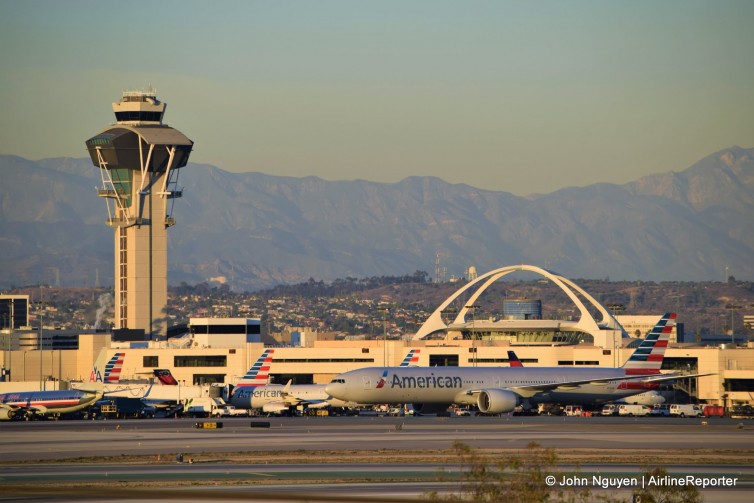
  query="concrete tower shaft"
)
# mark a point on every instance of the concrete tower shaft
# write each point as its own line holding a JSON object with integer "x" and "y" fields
{"x": 139, "y": 159}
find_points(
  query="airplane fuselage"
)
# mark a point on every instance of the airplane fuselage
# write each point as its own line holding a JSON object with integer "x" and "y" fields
{"x": 256, "y": 397}
{"x": 46, "y": 402}
{"x": 447, "y": 385}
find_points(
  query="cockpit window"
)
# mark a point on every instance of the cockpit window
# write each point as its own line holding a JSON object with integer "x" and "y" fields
{"x": 342, "y": 381}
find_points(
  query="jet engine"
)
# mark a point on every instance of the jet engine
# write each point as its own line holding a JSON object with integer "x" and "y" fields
{"x": 275, "y": 407}
{"x": 6, "y": 414}
{"x": 495, "y": 401}
{"x": 317, "y": 405}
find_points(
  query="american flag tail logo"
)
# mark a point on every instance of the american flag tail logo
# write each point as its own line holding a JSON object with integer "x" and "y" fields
{"x": 647, "y": 358}
{"x": 259, "y": 373}
{"x": 412, "y": 358}
{"x": 381, "y": 382}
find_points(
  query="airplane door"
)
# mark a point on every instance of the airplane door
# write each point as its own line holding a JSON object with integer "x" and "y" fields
{"x": 367, "y": 381}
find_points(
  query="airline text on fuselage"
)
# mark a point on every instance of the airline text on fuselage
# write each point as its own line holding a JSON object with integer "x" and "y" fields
{"x": 431, "y": 381}
{"x": 268, "y": 393}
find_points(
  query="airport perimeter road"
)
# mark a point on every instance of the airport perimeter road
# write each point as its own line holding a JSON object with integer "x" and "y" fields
{"x": 209, "y": 481}
{"x": 58, "y": 440}
{"x": 344, "y": 459}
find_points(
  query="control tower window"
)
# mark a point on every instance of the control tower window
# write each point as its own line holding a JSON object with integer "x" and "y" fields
{"x": 138, "y": 116}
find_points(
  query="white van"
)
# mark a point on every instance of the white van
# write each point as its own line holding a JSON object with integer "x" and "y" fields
{"x": 660, "y": 410}
{"x": 630, "y": 409}
{"x": 610, "y": 409}
{"x": 686, "y": 410}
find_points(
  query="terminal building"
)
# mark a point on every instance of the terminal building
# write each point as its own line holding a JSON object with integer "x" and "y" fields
{"x": 220, "y": 351}
{"x": 731, "y": 380}
{"x": 14, "y": 311}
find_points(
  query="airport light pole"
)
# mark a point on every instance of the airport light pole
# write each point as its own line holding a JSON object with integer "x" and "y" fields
{"x": 6, "y": 326}
{"x": 473, "y": 308}
{"x": 10, "y": 337}
{"x": 41, "y": 314}
{"x": 384, "y": 310}
{"x": 615, "y": 308}
{"x": 732, "y": 308}
{"x": 7, "y": 351}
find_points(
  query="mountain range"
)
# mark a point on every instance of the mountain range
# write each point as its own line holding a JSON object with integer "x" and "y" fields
{"x": 255, "y": 230}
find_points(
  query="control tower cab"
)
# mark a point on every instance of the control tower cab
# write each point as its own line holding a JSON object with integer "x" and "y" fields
{"x": 139, "y": 159}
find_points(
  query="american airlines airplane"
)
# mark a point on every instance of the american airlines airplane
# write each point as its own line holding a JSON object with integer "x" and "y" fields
{"x": 30, "y": 404}
{"x": 500, "y": 389}
{"x": 253, "y": 392}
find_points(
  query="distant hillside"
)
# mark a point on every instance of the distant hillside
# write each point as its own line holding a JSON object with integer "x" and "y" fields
{"x": 259, "y": 230}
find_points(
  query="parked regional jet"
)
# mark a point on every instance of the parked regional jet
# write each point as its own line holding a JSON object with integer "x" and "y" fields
{"x": 29, "y": 404}
{"x": 253, "y": 392}
{"x": 165, "y": 377}
{"x": 501, "y": 389}
{"x": 514, "y": 360}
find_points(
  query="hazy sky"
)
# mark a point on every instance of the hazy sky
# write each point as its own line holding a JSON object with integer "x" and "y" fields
{"x": 524, "y": 96}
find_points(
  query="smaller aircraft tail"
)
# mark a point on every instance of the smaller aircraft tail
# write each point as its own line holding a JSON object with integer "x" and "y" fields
{"x": 259, "y": 373}
{"x": 514, "y": 360}
{"x": 647, "y": 358}
{"x": 411, "y": 359}
{"x": 165, "y": 377}
{"x": 107, "y": 371}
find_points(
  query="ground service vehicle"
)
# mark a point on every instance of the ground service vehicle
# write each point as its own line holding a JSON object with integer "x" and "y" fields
{"x": 686, "y": 410}
{"x": 660, "y": 410}
{"x": 714, "y": 411}
{"x": 573, "y": 410}
{"x": 228, "y": 411}
{"x": 634, "y": 410}
{"x": 609, "y": 409}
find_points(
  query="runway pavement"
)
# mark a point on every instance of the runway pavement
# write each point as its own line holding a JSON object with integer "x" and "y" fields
{"x": 50, "y": 440}
{"x": 316, "y": 444}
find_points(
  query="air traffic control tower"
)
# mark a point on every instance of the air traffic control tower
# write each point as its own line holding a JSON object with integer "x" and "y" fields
{"x": 139, "y": 159}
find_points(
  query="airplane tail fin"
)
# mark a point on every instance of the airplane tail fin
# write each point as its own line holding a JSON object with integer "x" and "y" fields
{"x": 647, "y": 359}
{"x": 165, "y": 377}
{"x": 107, "y": 371}
{"x": 411, "y": 359}
{"x": 514, "y": 360}
{"x": 259, "y": 373}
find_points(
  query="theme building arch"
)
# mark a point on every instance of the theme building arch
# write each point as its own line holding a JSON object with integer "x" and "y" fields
{"x": 586, "y": 322}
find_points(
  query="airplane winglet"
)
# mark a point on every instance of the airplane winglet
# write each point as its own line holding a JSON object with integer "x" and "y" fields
{"x": 287, "y": 389}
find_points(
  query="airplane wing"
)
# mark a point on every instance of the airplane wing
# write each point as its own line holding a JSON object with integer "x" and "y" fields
{"x": 528, "y": 391}
{"x": 674, "y": 376}
{"x": 94, "y": 388}
{"x": 316, "y": 404}
{"x": 36, "y": 409}
{"x": 289, "y": 398}
{"x": 275, "y": 407}
{"x": 159, "y": 404}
